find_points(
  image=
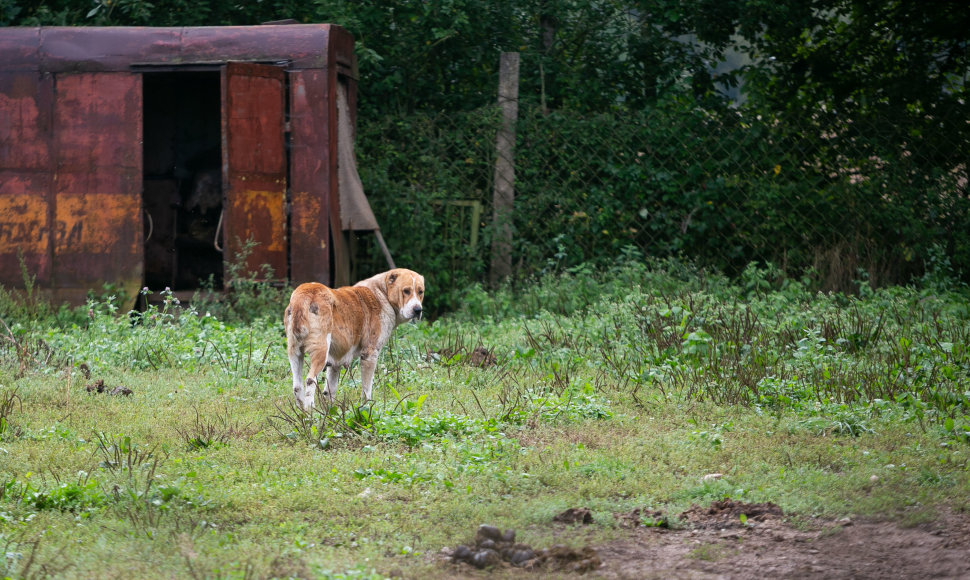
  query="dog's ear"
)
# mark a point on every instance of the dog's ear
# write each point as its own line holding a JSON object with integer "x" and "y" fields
{"x": 391, "y": 278}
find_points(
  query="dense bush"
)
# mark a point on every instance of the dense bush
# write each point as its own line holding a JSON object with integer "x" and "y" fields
{"x": 721, "y": 186}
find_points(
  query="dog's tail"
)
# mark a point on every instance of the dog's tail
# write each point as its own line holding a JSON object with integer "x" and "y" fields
{"x": 303, "y": 303}
{"x": 295, "y": 321}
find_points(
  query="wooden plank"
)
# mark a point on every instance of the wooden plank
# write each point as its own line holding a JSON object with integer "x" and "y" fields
{"x": 503, "y": 197}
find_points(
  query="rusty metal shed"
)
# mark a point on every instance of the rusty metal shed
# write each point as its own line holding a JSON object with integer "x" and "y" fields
{"x": 150, "y": 156}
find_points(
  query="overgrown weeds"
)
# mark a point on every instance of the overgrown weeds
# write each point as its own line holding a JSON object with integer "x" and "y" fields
{"x": 342, "y": 424}
{"x": 9, "y": 400}
{"x": 784, "y": 351}
{"x": 212, "y": 432}
{"x": 21, "y": 557}
{"x": 249, "y": 294}
{"x": 26, "y": 351}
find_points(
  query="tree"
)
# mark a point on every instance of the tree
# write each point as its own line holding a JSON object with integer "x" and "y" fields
{"x": 899, "y": 59}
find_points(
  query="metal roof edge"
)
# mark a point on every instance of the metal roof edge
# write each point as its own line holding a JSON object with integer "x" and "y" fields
{"x": 92, "y": 49}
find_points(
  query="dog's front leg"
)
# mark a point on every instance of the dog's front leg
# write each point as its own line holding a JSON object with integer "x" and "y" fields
{"x": 310, "y": 393}
{"x": 368, "y": 364}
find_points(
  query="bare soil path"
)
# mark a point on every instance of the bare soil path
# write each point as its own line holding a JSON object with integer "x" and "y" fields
{"x": 715, "y": 542}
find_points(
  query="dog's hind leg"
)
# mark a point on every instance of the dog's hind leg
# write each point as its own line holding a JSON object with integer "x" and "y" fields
{"x": 295, "y": 354}
{"x": 294, "y": 351}
{"x": 368, "y": 364}
{"x": 318, "y": 362}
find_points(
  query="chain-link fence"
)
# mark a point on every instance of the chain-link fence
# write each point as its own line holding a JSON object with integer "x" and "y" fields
{"x": 834, "y": 201}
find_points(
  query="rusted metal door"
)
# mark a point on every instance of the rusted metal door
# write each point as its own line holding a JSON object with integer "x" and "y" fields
{"x": 25, "y": 177}
{"x": 97, "y": 222}
{"x": 254, "y": 157}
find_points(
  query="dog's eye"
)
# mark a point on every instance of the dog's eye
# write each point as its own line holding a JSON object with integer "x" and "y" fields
{"x": 407, "y": 291}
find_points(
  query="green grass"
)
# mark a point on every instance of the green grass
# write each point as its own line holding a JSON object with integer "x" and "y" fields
{"x": 612, "y": 390}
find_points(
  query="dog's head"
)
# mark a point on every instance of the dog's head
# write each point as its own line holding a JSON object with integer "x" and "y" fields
{"x": 405, "y": 292}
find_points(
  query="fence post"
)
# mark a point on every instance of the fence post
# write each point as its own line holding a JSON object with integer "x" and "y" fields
{"x": 503, "y": 187}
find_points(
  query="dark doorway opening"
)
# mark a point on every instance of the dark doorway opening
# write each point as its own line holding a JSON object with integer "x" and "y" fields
{"x": 182, "y": 193}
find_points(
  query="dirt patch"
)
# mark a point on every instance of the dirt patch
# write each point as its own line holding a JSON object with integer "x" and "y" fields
{"x": 716, "y": 542}
{"x": 727, "y": 513}
{"x": 575, "y": 516}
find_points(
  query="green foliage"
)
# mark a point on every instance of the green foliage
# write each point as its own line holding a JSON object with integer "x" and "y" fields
{"x": 70, "y": 497}
{"x": 896, "y": 47}
{"x": 250, "y": 294}
{"x": 830, "y": 358}
{"x": 79, "y": 497}
{"x": 729, "y": 187}
{"x": 414, "y": 177}
{"x": 341, "y": 422}
{"x": 212, "y": 432}
{"x": 30, "y": 305}
{"x": 711, "y": 436}
{"x": 816, "y": 203}
{"x": 163, "y": 336}
{"x": 432, "y": 55}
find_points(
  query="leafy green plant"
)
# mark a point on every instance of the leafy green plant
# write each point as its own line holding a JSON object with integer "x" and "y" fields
{"x": 325, "y": 423}
{"x": 848, "y": 420}
{"x": 958, "y": 431}
{"x": 81, "y": 496}
{"x": 413, "y": 429}
{"x": 390, "y": 476}
{"x": 70, "y": 496}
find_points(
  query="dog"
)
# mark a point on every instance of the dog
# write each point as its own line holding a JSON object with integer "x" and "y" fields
{"x": 334, "y": 326}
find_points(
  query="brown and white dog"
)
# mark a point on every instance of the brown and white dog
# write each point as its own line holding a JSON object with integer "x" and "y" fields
{"x": 335, "y": 326}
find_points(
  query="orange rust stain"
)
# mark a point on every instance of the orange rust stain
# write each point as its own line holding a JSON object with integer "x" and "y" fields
{"x": 95, "y": 223}
{"x": 265, "y": 207}
{"x": 23, "y": 223}
{"x": 307, "y": 221}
